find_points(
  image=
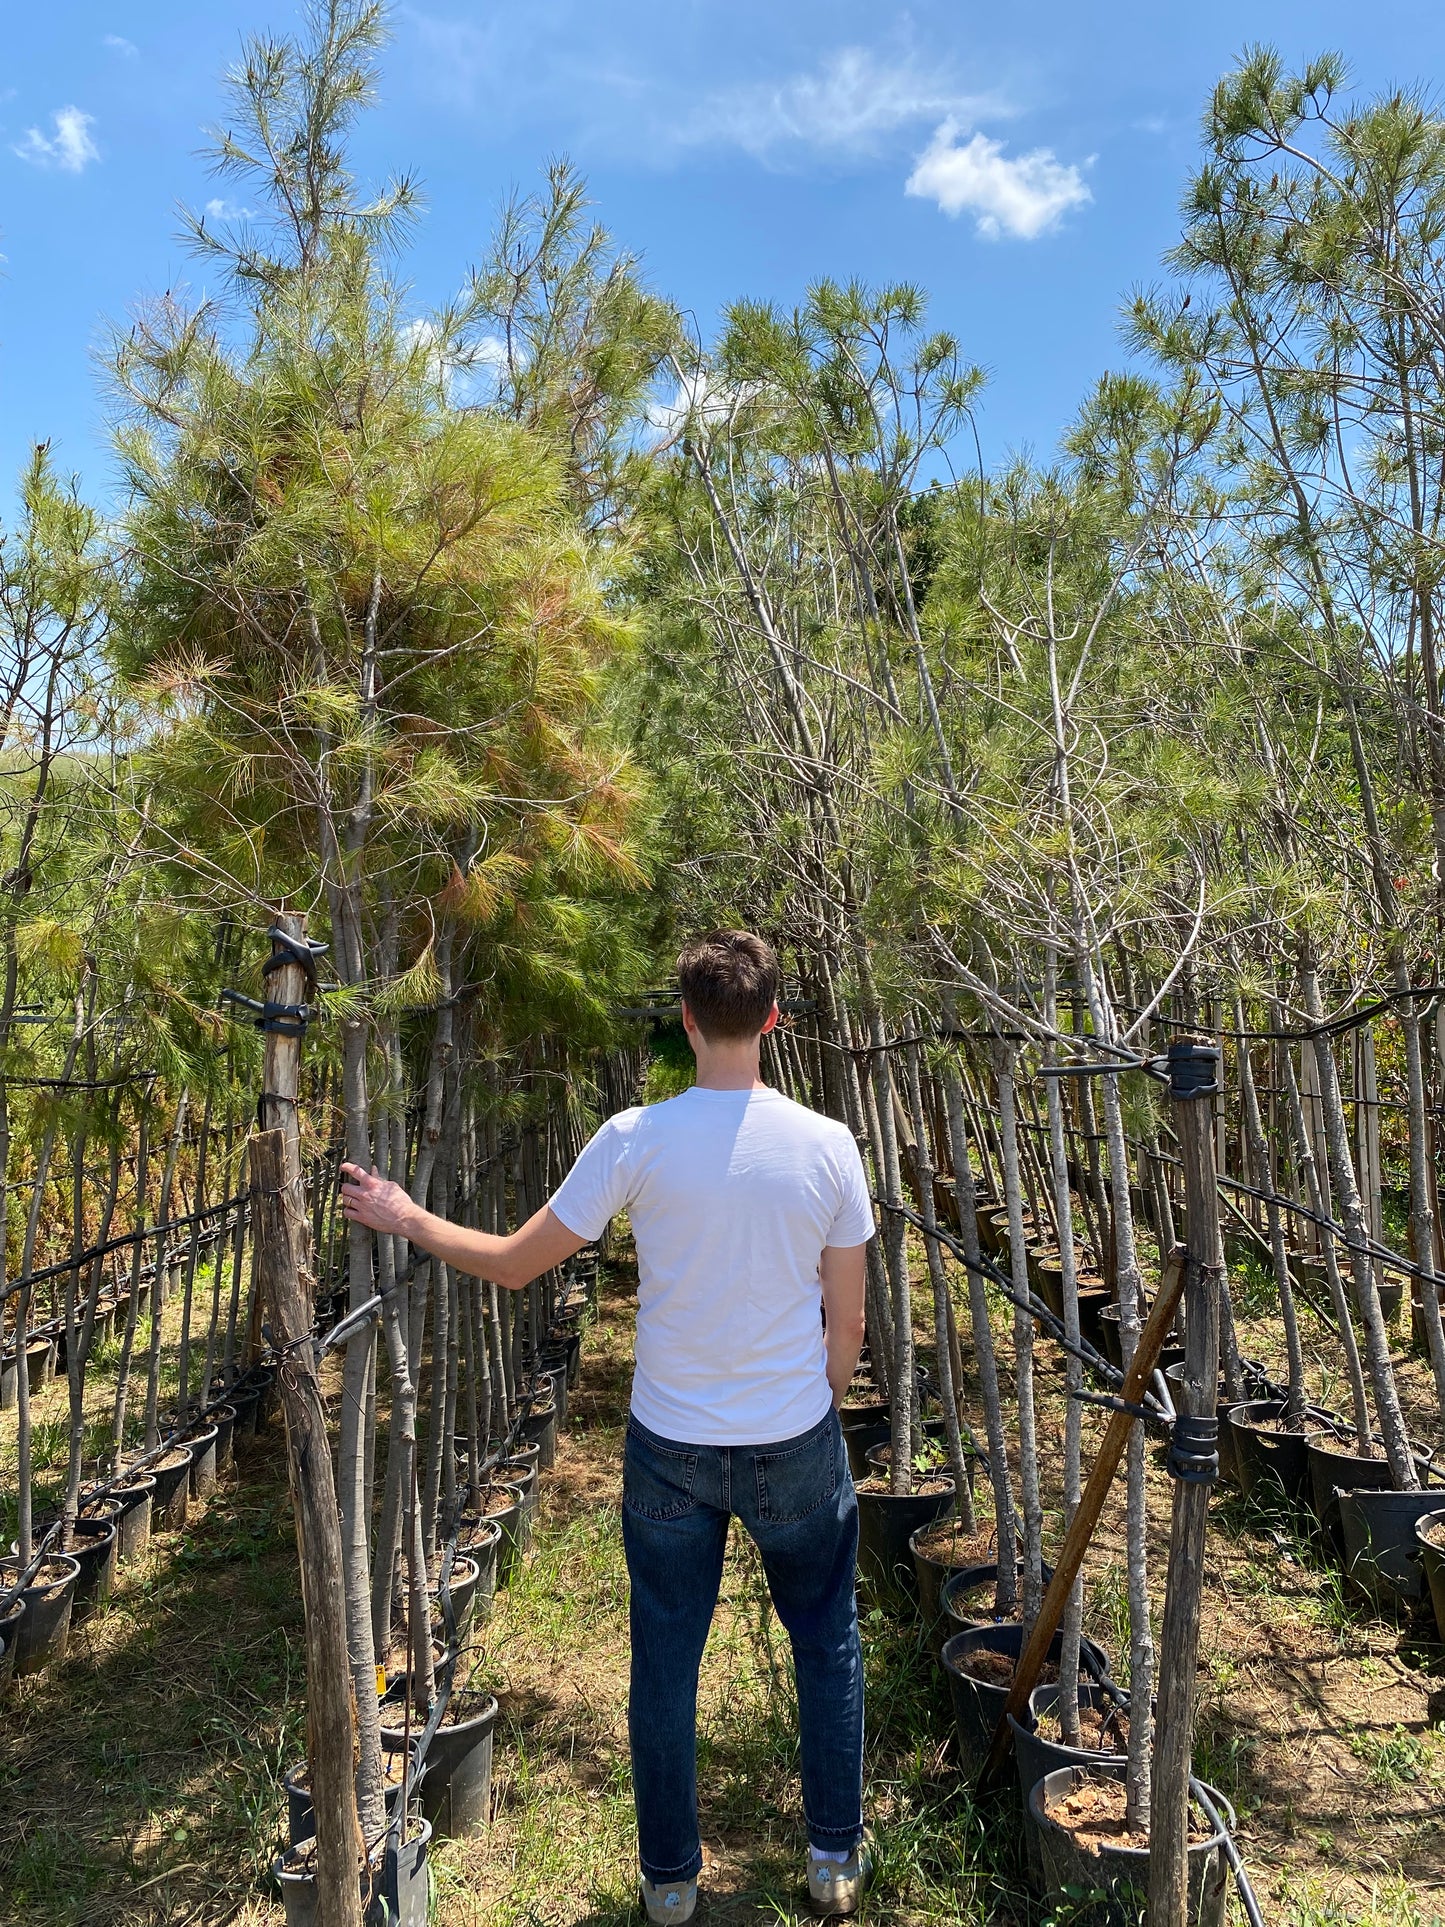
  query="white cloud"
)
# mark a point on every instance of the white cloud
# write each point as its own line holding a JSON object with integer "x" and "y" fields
{"x": 228, "y": 211}
{"x": 846, "y": 106}
{"x": 118, "y": 44}
{"x": 69, "y": 148}
{"x": 1024, "y": 197}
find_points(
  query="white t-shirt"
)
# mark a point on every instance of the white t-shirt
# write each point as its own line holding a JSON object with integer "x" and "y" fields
{"x": 733, "y": 1196}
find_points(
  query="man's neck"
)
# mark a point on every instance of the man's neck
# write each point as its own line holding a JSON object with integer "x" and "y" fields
{"x": 729, "y": 1070}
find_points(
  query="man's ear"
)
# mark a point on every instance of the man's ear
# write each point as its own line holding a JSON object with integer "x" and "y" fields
{"x": 771, "y": 1023}
{"x": 689, "y": 1022}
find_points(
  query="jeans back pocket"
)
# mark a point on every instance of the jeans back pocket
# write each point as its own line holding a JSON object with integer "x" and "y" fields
{"x": 802, "y": 1476}
{"x": 657, "y": 1480}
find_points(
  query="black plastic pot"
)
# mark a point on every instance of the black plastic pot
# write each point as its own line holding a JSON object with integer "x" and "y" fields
{"x": 403, "y": 1883}
{"x": 41, "y": 1354}
{"x": 223, "y": 1417}
{"x": 202, "y": 1448}
{"x": 10, "y": 1622}
{"x": 133, "y": 1525}
{"x": 1380, "y": 1544}
{"x": 508, "y": 1520}
{"x": 1261, "y": 1450}
{"x": 481, "y": 1545}
{"x": 246, "y": 1398}
{"x": 1335, "y": 1465}
{"x": 886, "y": 1523}
{"x": 456, "y": 1795}
{"x": 966, "y": 1599}
{"x": 1069, "y": 1864}
{"x": 540, "y": 1425}
{"x": 463, "y": 1587}
{"x": 44, "y": 1629}
{"x": 301, "y": 1815}
{"x": 94, "y": 1547}
{"x": 9, "y": 1381}
{"x": 552, "y": 1381}
{"x": 263, "y": 1377}
{"x": 978, "y": 1704}
{"x": 521, "y": 1467}
{"x": 929, "y": 1574}
{"x": 1035, "y": 1756}
{"x": 171, "y": 1499}
{"x": 1172, "y": 1352}
{"x": 864, "y": 1426}
{"x": 1432, "y": 1560}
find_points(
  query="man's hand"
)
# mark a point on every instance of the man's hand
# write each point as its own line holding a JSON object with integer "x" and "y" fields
{"x": 376, "y": 1202}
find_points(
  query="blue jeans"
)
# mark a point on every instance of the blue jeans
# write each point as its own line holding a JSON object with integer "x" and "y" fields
{"x": 797, "y": 1503}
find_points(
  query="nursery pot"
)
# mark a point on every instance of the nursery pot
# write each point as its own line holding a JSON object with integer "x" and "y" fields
{"x": 1335, "y": 1465}
{"x": 456, "y": 1794}
{"x": 886, "y": 1523}
{"x": 463, "y": 1588}
{"x": 95, "y": 1547}
{"x": 503, "y": 1508}
{"x": 967, "y": 1596}
{"x": 1261, "y": 1449}
{"x": 1174, "y": 1378}
{"x": 864, "y": 1426}
{"x": 403, "y": 1882}
{"x": 552, "y": 1375}
{"x": 978, "y": 1703}
{"x": 9, "y": 1380}
{"x": 1069, "y": 1863}
{"x": 9, "y": 1640}
{"x": 44, "y": 1629}
{"x": 133, "y": 1525}
{"x": 520, "y": 1468}
{"x": 301, "y": 1815}
{"x": 540, "y": 1425}
{"x": 1380, "y": 1544}
{"x": 169, "y": 1504}
{"x": 223, "y": 1417}
{"x": 263, "y": 1377}
{"x": 1432, "y": 1558}
{"x": 245, "y": 1398}
{"x": 481, "y": 1542}
{"x": 1035, "y": 1756}
{"x": 40, "y": 1356}
{"x": 930, "y": 1573}
{"x": 202, "y": 1448}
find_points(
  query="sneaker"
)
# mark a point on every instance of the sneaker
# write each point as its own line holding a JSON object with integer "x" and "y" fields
{"x": 671, "y": 1902}
{"x": 836, "y": 1886}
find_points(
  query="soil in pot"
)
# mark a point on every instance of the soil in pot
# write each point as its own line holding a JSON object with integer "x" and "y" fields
{"x": 939, "y": 1551}
{"x": 886, "y": 1523}
{"x": 969, "y": 1598}
{"x": 1267, "y": 1444}
{"x": 44, "y": 1628}
{"x": 1039, "y": 1746}
{"x": 94, "y": 1546}
{"x": 301, "y": 1816}
{"x": 1079, "y": 1815}
{"x": 980, "y": 1668}
{"x": 456, "y": 1794}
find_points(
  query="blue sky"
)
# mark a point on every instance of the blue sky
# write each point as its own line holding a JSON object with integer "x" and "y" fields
{"x": 1023, "y": 163}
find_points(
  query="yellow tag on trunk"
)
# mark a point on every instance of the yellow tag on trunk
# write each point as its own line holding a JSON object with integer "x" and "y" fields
{"x": 381, "y": 1682}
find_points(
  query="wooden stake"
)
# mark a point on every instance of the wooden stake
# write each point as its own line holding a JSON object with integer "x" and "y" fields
{"x": 281, "y": 1248}
{"x": 1192, "y": 1086}
{"x": 1086, "y": 1518}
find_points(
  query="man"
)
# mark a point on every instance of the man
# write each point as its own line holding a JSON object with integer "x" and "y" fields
{"x": 747, "y": 1210}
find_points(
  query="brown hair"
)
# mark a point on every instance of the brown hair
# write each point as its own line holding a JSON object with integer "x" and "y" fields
{"x": 729, "y": 981}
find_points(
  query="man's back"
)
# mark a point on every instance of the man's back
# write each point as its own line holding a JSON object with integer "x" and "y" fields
{"x": 732, "y": 1195}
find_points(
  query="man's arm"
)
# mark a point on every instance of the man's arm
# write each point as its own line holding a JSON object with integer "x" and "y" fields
{"x": 513, "y": 1261}
{"x": 842, "y": 1270}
